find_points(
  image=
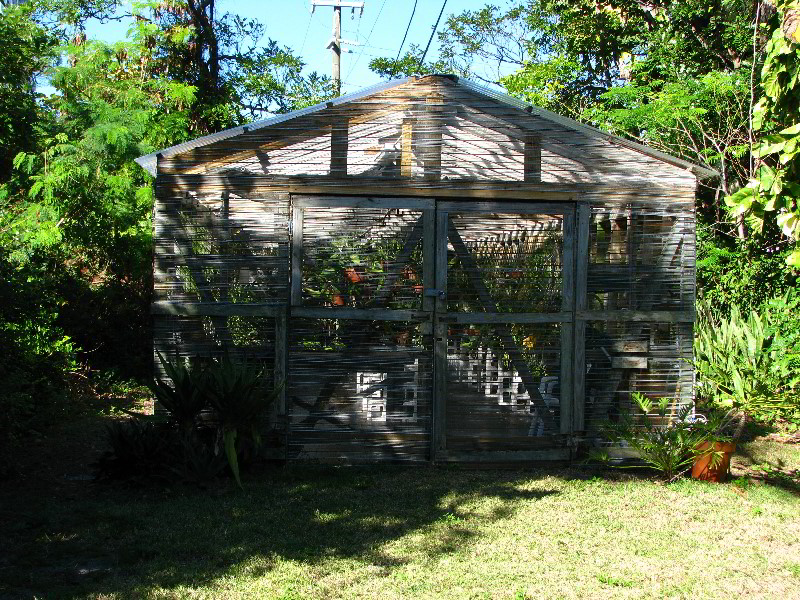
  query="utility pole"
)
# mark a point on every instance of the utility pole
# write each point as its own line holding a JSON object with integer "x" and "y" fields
{"x": 335, "y": 45}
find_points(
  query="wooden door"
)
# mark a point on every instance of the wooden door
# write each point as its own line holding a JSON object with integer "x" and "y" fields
{"x": 360, "y": 346}
{"x": 504, "y": 331}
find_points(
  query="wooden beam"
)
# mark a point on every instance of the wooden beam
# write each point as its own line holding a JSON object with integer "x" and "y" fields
{"x": 339, "y": 148}
{"x": 638, "y": 316}
{"x": 406, "y": 155}
{"x": 532, "y": 167}
{"x": 360, "y": 314}
{"x": 214, "y": 309}
{"x": 439, "y": 409}
{"x": 581, "y": 300}
{"x": 432, "y": 137}
{"x": 567, "y": 342}
{"x": 483, "y": 318}
{"x": 296, "y": 290}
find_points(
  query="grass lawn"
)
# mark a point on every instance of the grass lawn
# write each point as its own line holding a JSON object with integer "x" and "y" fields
{"x": 323, "y": 532}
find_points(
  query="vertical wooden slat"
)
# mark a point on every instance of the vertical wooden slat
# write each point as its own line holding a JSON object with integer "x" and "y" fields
{"x": 432, "y": 129}
{"x": 532, "y": 162}
{"x": 339, "y": 133}
{"x": 567, "y": 329}
{"x": 281, "y": 372}
{"x": 406, "y": 155}
{"x": 581, "y": 302}
{"x": 429, "y": 302}
{"x": 297, "y": 257}
{"x": 440, "y": 336}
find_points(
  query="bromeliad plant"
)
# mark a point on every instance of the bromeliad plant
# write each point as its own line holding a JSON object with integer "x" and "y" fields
{"x": 237, "y": 392}
{"x": 185, "y": 397}
{"x": 211, "y": 405}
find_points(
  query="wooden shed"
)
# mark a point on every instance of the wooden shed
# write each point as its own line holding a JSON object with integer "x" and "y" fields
{"x": 438, "y": 271}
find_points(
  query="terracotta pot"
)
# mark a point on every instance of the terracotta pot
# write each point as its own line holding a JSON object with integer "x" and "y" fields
{"x": 702, "y": 468}
{"x": 353, "y": 275}
{"x": 337, "y": 300}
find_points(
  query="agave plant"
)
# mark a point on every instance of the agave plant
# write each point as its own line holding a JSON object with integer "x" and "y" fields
{"x": 239, "y": 394}
{"x": 186, "y": 396}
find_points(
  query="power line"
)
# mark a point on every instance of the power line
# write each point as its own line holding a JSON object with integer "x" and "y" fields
{"x": 355, "y": 62}
{"x": 430, "y": 39}
{"x": 305, "y": 37}
{"x": 413, "y": 10}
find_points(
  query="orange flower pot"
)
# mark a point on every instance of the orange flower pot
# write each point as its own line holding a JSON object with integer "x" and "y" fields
{"x": 353, "y": 275}
{"x": 703, "y": 469}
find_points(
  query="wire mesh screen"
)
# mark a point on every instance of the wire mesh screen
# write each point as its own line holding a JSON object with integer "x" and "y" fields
{"x": 359, "y": 390}
{"x": 502, "y": 386}
{"x": 641, "y": 257}
{"x": 504, "y": 263}
{"x": 242, "y": 338}
{"x": 362, "y": 257}
{"x": 219, "y": 247}
{"x": 621, "y": 358}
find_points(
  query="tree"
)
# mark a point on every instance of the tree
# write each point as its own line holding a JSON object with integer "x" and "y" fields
{"x": 28, "y": 51}
{"x": 774, "y": 189}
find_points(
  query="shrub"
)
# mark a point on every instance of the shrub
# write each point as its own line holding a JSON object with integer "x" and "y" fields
{"x": 748, "y": 361}
{"x": 664, "y": 444}
{"x": 187, "y": 447}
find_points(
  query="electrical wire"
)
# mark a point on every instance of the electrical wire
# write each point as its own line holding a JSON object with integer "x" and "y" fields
{"x": 430, "y": 39}
{"x": 305, "y": 37}
{"x": 355, "y": 62}
{"x": 413, "y": 10}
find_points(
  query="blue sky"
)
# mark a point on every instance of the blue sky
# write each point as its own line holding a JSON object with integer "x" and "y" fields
{"x": 380, "y": 30}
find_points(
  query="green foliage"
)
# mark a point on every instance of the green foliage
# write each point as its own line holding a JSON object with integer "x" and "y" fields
{"x": 774, "y": 189}
{"x": 186, "y": 396}
{"x": 749, "y": 361}
{"x": 28, "y": 50}
{"x": 37, "y": 356}
{"x": 237, "y": 391}
{"x": 745, "y": 273}
{"x": 664, "y": 440}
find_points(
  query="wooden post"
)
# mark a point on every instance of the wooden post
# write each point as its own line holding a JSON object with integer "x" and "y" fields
{"x": 581, "y": 299}
{"x": 339, "y": 148}
{"x": 533, "y": 158}
{"x": 296, "y": 291}
{"x": 432, "y": 143}
{"x": 282, "y": 372}
{"x": 439, "y": 429}
{"x": 406, "y": 155}
{"x": 567, "y": 329}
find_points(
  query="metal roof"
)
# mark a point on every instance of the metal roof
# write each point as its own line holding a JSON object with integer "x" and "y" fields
{"x": 149, "y": 161}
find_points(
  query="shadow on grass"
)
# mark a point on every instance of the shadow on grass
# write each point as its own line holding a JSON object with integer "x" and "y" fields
{"x": 126, "y": 542}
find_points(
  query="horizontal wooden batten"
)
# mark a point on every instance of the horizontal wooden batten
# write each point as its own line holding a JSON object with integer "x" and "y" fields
{"x": 360, "y": 314}
{"x": 527, "y": 208}
{"x": 654, "y": 316}
{"x": 504, "y": 456}
{"x": 215, "y": 309}
{"x": 247, "y": 185}
{"x": 628, "y": 362}
{"x": 481, "y": 318}
{"x": 362, "y": 202}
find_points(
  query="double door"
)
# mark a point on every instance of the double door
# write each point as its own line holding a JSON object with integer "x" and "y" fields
{"x": 430, "y": 329}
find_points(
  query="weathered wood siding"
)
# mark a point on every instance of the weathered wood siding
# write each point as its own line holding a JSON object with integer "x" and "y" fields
{"x": 435, "y": 273}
